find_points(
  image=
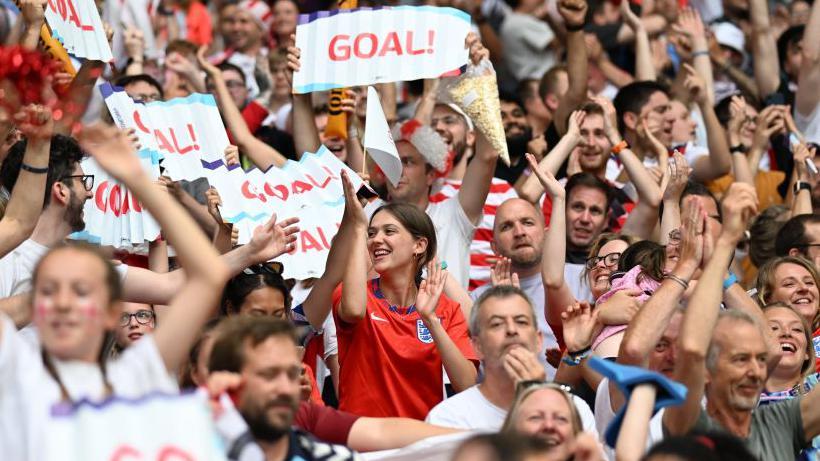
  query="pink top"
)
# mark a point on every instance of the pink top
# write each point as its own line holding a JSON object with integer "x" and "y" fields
{"x": 627, "y": 282}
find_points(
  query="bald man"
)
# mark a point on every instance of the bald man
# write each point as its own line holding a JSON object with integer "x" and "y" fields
{"x": 518, "y": 234}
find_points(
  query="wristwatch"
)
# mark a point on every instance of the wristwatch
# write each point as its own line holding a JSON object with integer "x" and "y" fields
{"x": 740, "y": 149}
{"x": 801, "y": 185}
{"x": 575, "y": 358}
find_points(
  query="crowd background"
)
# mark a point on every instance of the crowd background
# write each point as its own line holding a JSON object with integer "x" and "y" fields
{"x": 660, "y": 211}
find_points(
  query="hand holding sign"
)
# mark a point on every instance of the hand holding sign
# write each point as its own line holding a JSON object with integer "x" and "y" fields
{"x": 476, "y": 93}
{"x": 400, "y": 43}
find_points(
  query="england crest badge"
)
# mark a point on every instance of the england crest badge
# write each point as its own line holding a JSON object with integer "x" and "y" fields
{"x": 423, "y": 333}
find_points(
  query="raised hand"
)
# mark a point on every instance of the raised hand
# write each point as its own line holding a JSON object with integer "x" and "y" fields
{"x": 231, "y": 155}
{"x": 695, "y": 85}
{"x": 35, "y": 122}
{"x": 737, "y": 111}
{"x": 547, "y": 180}
{"x": 273, "y": 239}
{"x": 214, "y": 202}
{"x": 739, "y": 206}
{"x": 293, "y": 61}
{"x": 581, "y": 325}
{"x": 646, "y": 131}
{"x": 693, "y": 228}
{"x": 576, "y": 119}
{"x": 33, "y": 12}
{"x": 354, "y": 213}
{"x": 769, "y": 121}
{"x": 502, "y": 274}
{"x": 181, "y": 65}
{"x": 113, "y": 150}
{"x": 574, "y": 12}
{"x": 170, "y": 186}
{"x": 802, "y": 154}
{"x": 629, "y": 17}
{"x": 206, "y": 65}
{"x": 690, "y": 24}
{"x": 430, "y": 290}
{"x": 676, "y": 178}
{"x": 610, "y": 118}
{"x": 134, "y": 43}
{"x": 478, "y": 52}
{"x": 523, "y": 365}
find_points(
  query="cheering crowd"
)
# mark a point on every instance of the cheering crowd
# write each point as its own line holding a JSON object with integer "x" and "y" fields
{"x": 639, "y": 281}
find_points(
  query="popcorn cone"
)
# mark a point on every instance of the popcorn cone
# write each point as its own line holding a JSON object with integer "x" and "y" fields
{"x": 476, "y": 93}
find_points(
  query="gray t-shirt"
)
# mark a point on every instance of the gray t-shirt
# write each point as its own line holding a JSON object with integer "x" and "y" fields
{"x": 776, "y": 433}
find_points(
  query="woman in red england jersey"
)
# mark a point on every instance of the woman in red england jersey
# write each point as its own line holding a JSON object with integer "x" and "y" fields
{"x": 395, "y": 331}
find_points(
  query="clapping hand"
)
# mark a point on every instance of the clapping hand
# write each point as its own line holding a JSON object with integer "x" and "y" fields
{"x": 502, "y": 274}
{"x": 430, "y": 291}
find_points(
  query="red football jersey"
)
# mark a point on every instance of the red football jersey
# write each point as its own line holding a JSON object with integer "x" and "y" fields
{"x": 389, "y": 363}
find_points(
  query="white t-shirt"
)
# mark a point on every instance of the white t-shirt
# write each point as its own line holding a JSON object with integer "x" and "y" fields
{"x": 17, "y": 267}
{"x": 533, "y": 286}
{"x": 469, "y": 409}
{"x": 809, "y": 124}
{"x": 577, "y": 282}
{"x": 27, "y": 391}
{"x": 454, "y": 233}
{"x": 604, "y": 415}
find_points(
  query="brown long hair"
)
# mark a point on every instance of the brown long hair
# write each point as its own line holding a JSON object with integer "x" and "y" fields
{"x": 418, "y": 224}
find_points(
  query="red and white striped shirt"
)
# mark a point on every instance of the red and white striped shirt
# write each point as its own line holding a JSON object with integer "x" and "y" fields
{"x": 480, "y": 250}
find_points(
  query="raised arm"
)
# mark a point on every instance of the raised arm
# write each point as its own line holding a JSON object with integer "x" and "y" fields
{"x": 644, "y": 67}
{"x": 739, "y": 205}
{"x": 764, "y": 49}
{"x": 532, "y": 189}
{"x": 318, "y": 304}
{"x": 305, "y": 133}
{"x": 33, "y": 14}
{"x": 558, "y": 294}
{"x": 479, "y": 174}
{"x": 719, "y": 160}
{"x": 574, "y": 14}
{"x": 802, "y": 200}
{"x": 26, "y": 201}
{"x": 352, "y": 307}
{"x": 808, "y": 93}
{"x": 740, "y": 163}
{"x": 690, "y": 25}
{"x": 631, "y": 443}
{"x": 206, "y": 274}
{"x": 262, "y": 155}
{"x": 678, "y": 177}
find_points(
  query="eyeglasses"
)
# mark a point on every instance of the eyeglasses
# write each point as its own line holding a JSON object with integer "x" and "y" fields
{"x": 234, "y": 84}
{"x": 87, "y": 180}
{"x": 270, "y": 267}
{"x": 807, "y": 245}
{"x": 146, "y": 98}
{"x": 144, "y": 317}
{"x": 609, "y": 260}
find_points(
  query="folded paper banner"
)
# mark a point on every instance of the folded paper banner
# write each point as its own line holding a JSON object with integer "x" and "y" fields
{"x": 378, "y": 141}
{"x": 310, "y": 189}
{"x": 365, "y": 46}
{"x": 78, "y": 26}
{"x": 156, "y": 426}
{"x": 189, "y": 137}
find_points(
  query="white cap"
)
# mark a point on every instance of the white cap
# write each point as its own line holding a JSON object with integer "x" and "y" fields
{"x": 728, "y": 34}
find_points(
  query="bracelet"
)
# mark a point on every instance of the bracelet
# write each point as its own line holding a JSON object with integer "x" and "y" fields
{"x": 34, "y": 169}
{"x": 700, "y": 53}
{"x": 574, "y": 28}
{"x": 729, "y": 281}
{"x": 801, "y": 185}
{"x": 678, "y": 280}
{"x": 739, "y": 149}
{"x": 575, "y": 358}
{"x": 617, "y": 148}
{"x": 352, "y": 133}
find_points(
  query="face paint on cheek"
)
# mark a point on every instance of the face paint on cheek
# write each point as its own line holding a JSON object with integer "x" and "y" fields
{"x": 42, "y": 308}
